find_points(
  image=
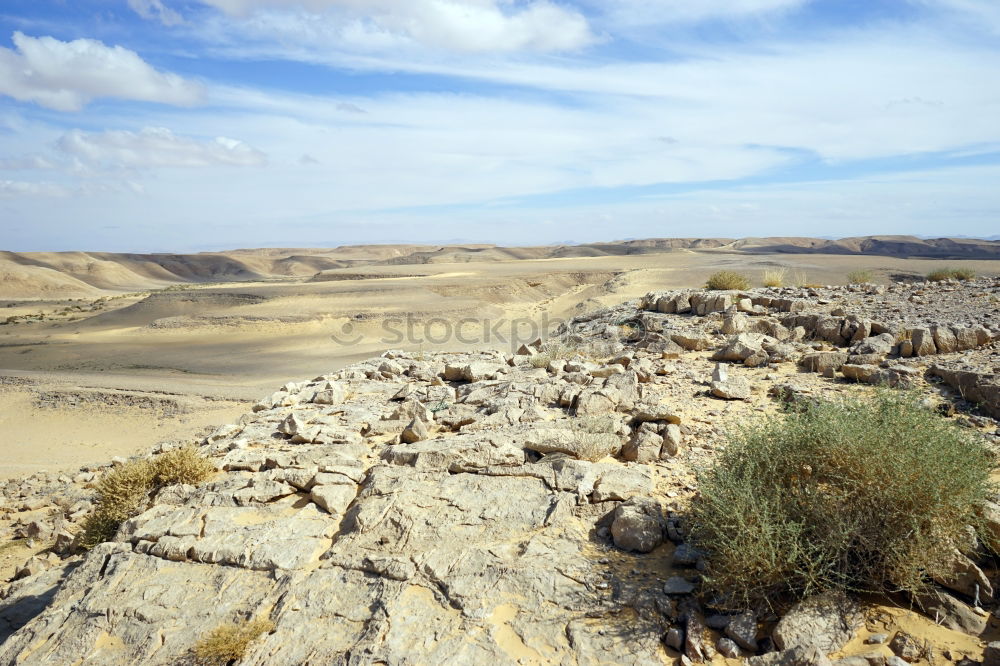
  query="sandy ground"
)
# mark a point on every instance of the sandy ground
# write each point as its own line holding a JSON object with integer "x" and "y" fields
{"x": 64, "y": 438}
{"x": 220, "y": 345}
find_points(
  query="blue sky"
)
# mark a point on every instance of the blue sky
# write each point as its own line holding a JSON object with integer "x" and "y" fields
{"x": 181, "y": 125}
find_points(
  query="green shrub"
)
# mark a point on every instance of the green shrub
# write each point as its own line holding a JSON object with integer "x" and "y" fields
{"x": 867, "y": 494}
{"x": 725, "y": 280}
{"x": 228, "y": 643}
{"x": 125, "y": 490}
{"x": 774, "y": 277}
{"x": 860, "y": 277}
{"x": 940, "y": 274}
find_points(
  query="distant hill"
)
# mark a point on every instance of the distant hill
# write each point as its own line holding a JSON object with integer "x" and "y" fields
{"x": 28, "y": 275}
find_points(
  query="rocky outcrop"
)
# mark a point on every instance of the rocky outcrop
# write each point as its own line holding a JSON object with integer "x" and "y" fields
{"x": 479, "y": 507}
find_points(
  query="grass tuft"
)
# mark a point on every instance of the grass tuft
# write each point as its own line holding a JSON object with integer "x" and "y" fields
{"x": 863, "y": 495}
{"x": 727, "y": 280}
{"x": 228, "y": 643}
{"x": 125, "y": 490}
{"x": 941, "y": 274}
{"x": 596, "y": 436}
{"x": 860, "y": 277}
{"x": 774, "y": 277}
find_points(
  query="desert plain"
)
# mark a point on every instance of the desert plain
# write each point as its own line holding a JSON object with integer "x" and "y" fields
{"x": 106, "y": 354}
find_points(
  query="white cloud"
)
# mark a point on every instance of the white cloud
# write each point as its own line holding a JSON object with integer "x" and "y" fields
{"x": 155, "y": 9}
{"x": 25, "y": 162}
{"x": 15, "y": 189}
{"x": 458, "y": 25}
{"x": 976, "y": 13}
{"x": 658, "y": 12}
{"x": 66, "y": 75}
{"x": 157, "y": 147}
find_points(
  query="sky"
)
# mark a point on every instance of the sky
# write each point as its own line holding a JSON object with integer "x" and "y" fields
{"x": 190, "y": 125}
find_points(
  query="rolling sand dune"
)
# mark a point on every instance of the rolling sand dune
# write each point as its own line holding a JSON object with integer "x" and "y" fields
{"x": 233, "y": 326}
{"x": 78, "y": 274}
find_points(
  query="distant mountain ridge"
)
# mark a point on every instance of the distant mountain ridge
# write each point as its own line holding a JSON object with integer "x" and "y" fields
{"x": 89, "y": 274}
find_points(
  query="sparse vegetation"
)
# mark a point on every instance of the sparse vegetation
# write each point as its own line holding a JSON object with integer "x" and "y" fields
{"x": 799, "y": 279}
{"x": 860, "y": 277}
{"x": 774, "y": 277}
{"x": 941, "y": 274}
{"x": 125, "y": 490}
{"x": 726, "y": 280}
{"x": 228, "y": 643}
{"x": 867, "y": 494}
{"x": 541, "y": 360}
{"x": 596, "y": 436}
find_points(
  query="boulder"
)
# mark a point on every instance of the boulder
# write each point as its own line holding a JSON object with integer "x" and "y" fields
{"x": 694, "y": 341}
{"x": 820, "y": 362}
{"x": 414, "y": 432}
{"x": 735, "y": 323}
{"x": 672, "y": 439}
{"x": 951, "y": 613}
{"x": 798, "y": 656}
{"x": 735, "y": 388}
{"x": 741, "y": 347}
{"x": 638, "y": 525}
{"x": 922, "y": 341}
{"x": 644, "y": 447}
{"x": 944, "y": 339}
{"x": 827, "y": 621}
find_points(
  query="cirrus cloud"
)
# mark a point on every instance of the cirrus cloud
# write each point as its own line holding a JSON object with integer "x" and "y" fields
{"x": 157, "y": 147}
{"x": 455, "y": 25}
{"x": 65, "y": 76}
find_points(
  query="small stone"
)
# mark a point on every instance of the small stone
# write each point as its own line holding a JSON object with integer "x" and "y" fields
{"x": 718, "y": 621}
{"x": 685, "y": 556}
{"x": 877, "y": 639}
{"x": 674, "y": 638}
{"x": 991, "y": 655}
{"x": 678, "y": 585}
{"x": 720, "y": 373}
{"x": 743, "y": 629}
{"x": 728, "y": 648}
{"x": 906, "y": 647}
{"x": 416, "y": 431}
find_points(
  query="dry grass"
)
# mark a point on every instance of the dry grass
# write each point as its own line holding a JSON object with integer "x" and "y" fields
{"x": 774, "y": 277}
{"x": 941, "y": 274}
{"x": 860, "y": 277}
{"x": 596, "y": 437}
{"x": 228, "y": 643}
{"x": 799, "y": 278}
{"x": 727, "y": 280}
{"x": 125, "y": 490}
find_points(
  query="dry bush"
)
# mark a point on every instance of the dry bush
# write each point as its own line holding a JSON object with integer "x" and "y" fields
{"x": 228, "y": 643}
{"x": 183, "y": 465}
{"x": 727, "y": 280}
{"x": 595, "y": 436}
{"x": 125, "y": 490}
{"x": 774, "y": 277}
{"x": 540, "y": 360}
{"x": 860, "y": 277}
{"x": 940, "y": 274}
{"x": 861, "y": 495}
